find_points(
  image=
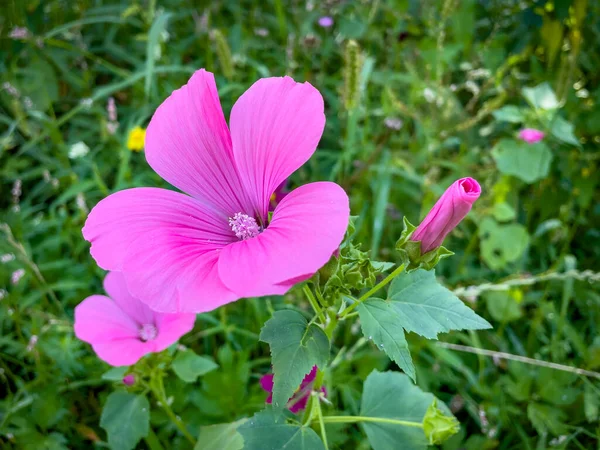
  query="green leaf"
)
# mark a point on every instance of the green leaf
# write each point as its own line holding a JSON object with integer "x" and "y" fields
{"x": 541, "y": 97}
{"x": 126, "y": 418}
{"x": 502, "y": 306}
{"x": 564, "y": 131}
{"x": 427, "y": 308}
{"x": 223, "y": 436}
{"x": 502, "y": 244}
{"x": 528, "y": 162}
{"x": 509, "y": 113}
{"x": 503, "y": 212}
{"x": 591, "y": 402}
{"x": 115, "y": 373}
{"x": 392, "y": 395}
{"x": 295, "y": 349}
{"x": 188, "y": 366}
{"x": 546, "y": 418}
{"x": 269, "y": 430}
{"x": 381, "y": 323}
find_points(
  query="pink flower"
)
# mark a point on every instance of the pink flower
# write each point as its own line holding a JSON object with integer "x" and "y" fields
{"x": 122, "y": 329}
{"x": 446, "y": 214}
{"x": 325, "y": 22}
{"x": 531, "y": 135}
{"x": 181, "y": 253}
{"x": 129, "y": 380}
{"x": 300, "y": 398}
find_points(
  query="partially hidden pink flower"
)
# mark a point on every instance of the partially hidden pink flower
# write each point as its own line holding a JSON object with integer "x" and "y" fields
{"x": 531, "y": 135}
{"x": 122, "y": 329}
{"x": 129, "y": 380}
{"x": 196, "y": 252}
{"x": 446, "y": 214}
{"x": 300, "y": 397}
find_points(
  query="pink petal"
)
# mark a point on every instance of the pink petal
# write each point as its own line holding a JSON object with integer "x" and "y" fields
{"x": 175, "y": 274}
{"x": 275, "y": 128}
{"x": 115, "y": 287}
{"x": 165, "y": 244}
{"x": 188, "y": 144}
{"x": 266, "y": 382}
{"x": 307, "y": 227}
{"x": 171, "y": 327}
{"x": 124, "y": 352}
{"x": 99, "y": 319}
{"x": 126, "y": 215}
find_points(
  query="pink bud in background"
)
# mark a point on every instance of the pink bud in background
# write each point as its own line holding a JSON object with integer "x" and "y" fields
{"x": 129, "y": 380}
{"x": 446, "y": 214}
{"x": 531, "y": 135}
{"x": 325, "y": 21}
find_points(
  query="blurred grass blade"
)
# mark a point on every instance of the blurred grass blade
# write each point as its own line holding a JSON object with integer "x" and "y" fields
{"x": 159, "y": 25}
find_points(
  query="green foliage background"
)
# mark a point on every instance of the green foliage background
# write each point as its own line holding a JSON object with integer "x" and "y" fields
{"x": 429, "y": 92}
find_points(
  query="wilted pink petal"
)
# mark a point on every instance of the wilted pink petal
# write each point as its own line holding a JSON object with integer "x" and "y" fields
{"x": 123, "y": 329}
{"x": 531, "y": 135}
{"x": 300, "y": 397}
{"x": 178, "y": 253}
{"x": 446, "y": 214}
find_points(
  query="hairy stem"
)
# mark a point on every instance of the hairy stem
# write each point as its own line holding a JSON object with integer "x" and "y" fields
{"x": 354, "y": 419}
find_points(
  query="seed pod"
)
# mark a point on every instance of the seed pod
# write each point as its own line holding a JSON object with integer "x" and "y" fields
{"x": 223, "y": 54}
{"x": 352, "y": 67}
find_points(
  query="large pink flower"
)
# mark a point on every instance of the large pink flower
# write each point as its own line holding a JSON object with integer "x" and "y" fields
{"x": 122, "y": 329}
{"x": 198, "y": 252}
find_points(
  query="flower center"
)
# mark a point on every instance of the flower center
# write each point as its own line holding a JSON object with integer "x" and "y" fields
{"x": 147, "y": 332}
{"x": 244, "y": 226}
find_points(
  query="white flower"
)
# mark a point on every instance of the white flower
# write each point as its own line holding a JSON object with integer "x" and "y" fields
{"x": 429, "y": 95}
{"x": 78, "y": 150}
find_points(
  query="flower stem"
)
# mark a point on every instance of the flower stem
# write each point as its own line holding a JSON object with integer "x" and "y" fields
{"x": 313, "y": 302}
{"x": 354, "y": 419}
{"x": 371, "y": 291}
{"x": 158, "y": 389}
{"x": 317, "y": 406}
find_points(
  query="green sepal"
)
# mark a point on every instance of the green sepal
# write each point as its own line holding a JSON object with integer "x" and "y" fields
{"x": 410, "y": 251}
{"x": 437, "y": 426}
{"x": 350, "y": 270}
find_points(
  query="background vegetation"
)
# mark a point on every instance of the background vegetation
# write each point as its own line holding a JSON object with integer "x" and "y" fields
{"x": 443, "y": 89}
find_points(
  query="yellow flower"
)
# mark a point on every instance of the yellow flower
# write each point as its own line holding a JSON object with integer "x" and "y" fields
{"x": 135, "y": 140}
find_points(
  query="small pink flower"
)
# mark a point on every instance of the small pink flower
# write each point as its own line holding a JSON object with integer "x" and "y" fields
{"x": 325, "y": 22}
{"x": 300, "y": 397}
{"x": 19, "y": 33}
{"x": 446, "y": 214}
{"x": 129, "y": 380}
{"x": 196, "y": 252}
{"x": 16, "y": 276}
{"x": 531, "y": 135}
{"x": 122, "y": 329}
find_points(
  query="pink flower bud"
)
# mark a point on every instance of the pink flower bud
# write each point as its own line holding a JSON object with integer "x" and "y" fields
{"x": 531, "y": 135}
{"x": 129, "y": 380}
{"x": 446, "y": 214}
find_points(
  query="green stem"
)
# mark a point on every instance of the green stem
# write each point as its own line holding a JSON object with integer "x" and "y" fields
{"x": 317, "y": 406}
{"x": 374, "y": 289}
{"x": 354, "y": 419}
{"x": 158, "y": 390}
{"x": 313, "y": 302}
